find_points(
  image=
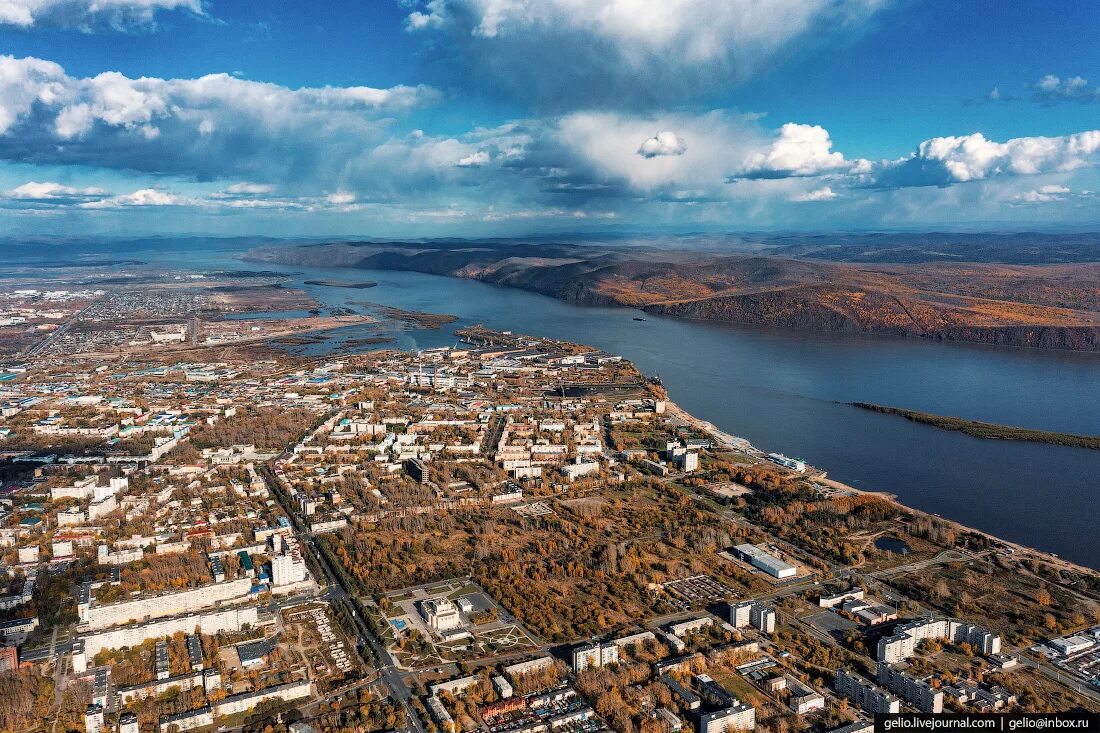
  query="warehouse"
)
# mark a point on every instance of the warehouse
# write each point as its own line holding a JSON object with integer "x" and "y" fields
{"x": 767, "y": 562}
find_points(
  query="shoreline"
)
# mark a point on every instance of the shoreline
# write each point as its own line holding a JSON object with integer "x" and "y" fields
{"x": 1072, "y": 336}
{"x": 736, "y": 443}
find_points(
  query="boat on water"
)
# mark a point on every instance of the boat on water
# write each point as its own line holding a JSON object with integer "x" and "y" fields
{"x": 636, "y": 318}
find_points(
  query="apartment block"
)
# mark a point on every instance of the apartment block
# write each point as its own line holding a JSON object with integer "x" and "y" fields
{"x": 865, "y": 694}
{"x": 902, "y": 644}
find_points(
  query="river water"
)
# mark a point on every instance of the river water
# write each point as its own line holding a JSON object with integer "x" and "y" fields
{"x": 784, "y": 391}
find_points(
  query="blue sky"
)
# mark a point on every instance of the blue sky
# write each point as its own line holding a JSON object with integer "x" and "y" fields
{"x": 483, "y": 117}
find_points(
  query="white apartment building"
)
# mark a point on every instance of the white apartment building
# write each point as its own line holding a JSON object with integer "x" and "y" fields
{"x": 167, "y": 604}
{"x": 913, "y": 690}
{"x": 902, "y": 644}
{"x": 866, "y": 695}
{"x": 287, "y": 569}
{"x": 230, "y": 619}
{"x": 753, "y": 613}
{"x": 589, "y": 656}
{"x": 248, "y": 700}
{"x": 740, "y": 716}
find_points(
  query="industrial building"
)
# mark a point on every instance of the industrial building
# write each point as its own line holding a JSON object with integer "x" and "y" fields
{"x": 765, "y": 561}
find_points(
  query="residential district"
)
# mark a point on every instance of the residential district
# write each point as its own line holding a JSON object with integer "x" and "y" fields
{"x": 510, "y": 535}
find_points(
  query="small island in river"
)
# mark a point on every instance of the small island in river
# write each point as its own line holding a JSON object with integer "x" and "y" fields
{"x": 990, "y": 431}
{"x": 343, "y": 284}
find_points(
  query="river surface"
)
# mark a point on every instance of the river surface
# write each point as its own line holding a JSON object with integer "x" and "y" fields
{"x": 784, "y": 391}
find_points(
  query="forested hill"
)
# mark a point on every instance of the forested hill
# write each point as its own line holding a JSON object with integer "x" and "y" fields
{"x": 1050, "y": 306}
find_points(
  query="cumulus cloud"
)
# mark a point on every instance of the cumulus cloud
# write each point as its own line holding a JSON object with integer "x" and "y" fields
{"x": 595, "y": 153}
{"x": 210, "y": 127}
{"x": 943, "y": 161}
{"x": 474, "y": 160}
{"x": 91, "y": 15}
{"x": 1051, "y": 89}
{"x": 142, "y": 197}
{"x": 49, "y": 191}
{"x": 825, "y": 193}
{"x": 1044, "y": 194}
{"x": 799, "y": 151}
{"x": 663, "y": 143}
{"x": 628, "y": 52}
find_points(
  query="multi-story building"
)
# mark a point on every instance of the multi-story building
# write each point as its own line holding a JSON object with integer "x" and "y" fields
{"x": 159, "y": 606}
{"x": 441, "y": 614}
{"x": 753, "y": 613}
{"x": 440, "y": 714}
{"x": 127, "y": 723}
{"x": 229, "y": 619}
{"x": 93, "y": 719}
{"x": 160, "y": 660}
{"x": 9, "y": 658}
{"x": 902, "y": 644}
{"x": 194, "y": 652}
{"x": 913, "y": 690}
{"x": 248, "y": 700}
{"x": 740, "y": 716}
{"x": 589, "y": 656}
{"x": 865, "y": 694}
{"x": 289, "y": 567}
{"x": 188, "y": 720}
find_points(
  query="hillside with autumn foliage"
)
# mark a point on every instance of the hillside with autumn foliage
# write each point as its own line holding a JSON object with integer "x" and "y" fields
{"x": 1049, "y": 306}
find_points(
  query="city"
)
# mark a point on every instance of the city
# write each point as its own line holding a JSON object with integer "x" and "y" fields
{"x": 509, "y": 534}
{"x": 549, "y": 366}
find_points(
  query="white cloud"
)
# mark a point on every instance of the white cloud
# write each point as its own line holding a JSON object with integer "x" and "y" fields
{"x": 246, "y": 188}
{"x": 474, "y": 160}
{"x": 825, "y": 193}
{"x": 942, "y": 161}
{"x": 1073, "y": 89}
{"x": 663, "y": 143}
{"x": 1044, "y": 194}
{"x": 596, "y": 153}
{"x": 798, "y": 151}
{"x": 340, "y": 198}
{"x": 552, "y": 213}
{"x": 142, "y": 197}
{"x": 48, "y": 191}
{"x": 213, "y": 126}
{"x": 629, "y": 52}
{"x": 90, "y": 15}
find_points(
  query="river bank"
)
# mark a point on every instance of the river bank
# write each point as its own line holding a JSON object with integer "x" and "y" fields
{"x": 735, "y": 443}
{"x": 788, "y": 392}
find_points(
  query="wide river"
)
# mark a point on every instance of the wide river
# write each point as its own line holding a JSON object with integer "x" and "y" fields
{"x": 783, "y": 391}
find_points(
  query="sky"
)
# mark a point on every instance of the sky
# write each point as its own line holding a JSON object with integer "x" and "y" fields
{"x": 409, "y": 118}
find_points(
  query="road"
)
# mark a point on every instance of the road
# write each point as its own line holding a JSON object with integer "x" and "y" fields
{"x": 53, "y": 335}
{"x": 1059, "y": 676}
{"x": 388, "y": 673}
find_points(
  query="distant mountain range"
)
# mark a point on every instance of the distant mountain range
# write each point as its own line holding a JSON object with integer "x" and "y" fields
{"x": 1033, "y": 290}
